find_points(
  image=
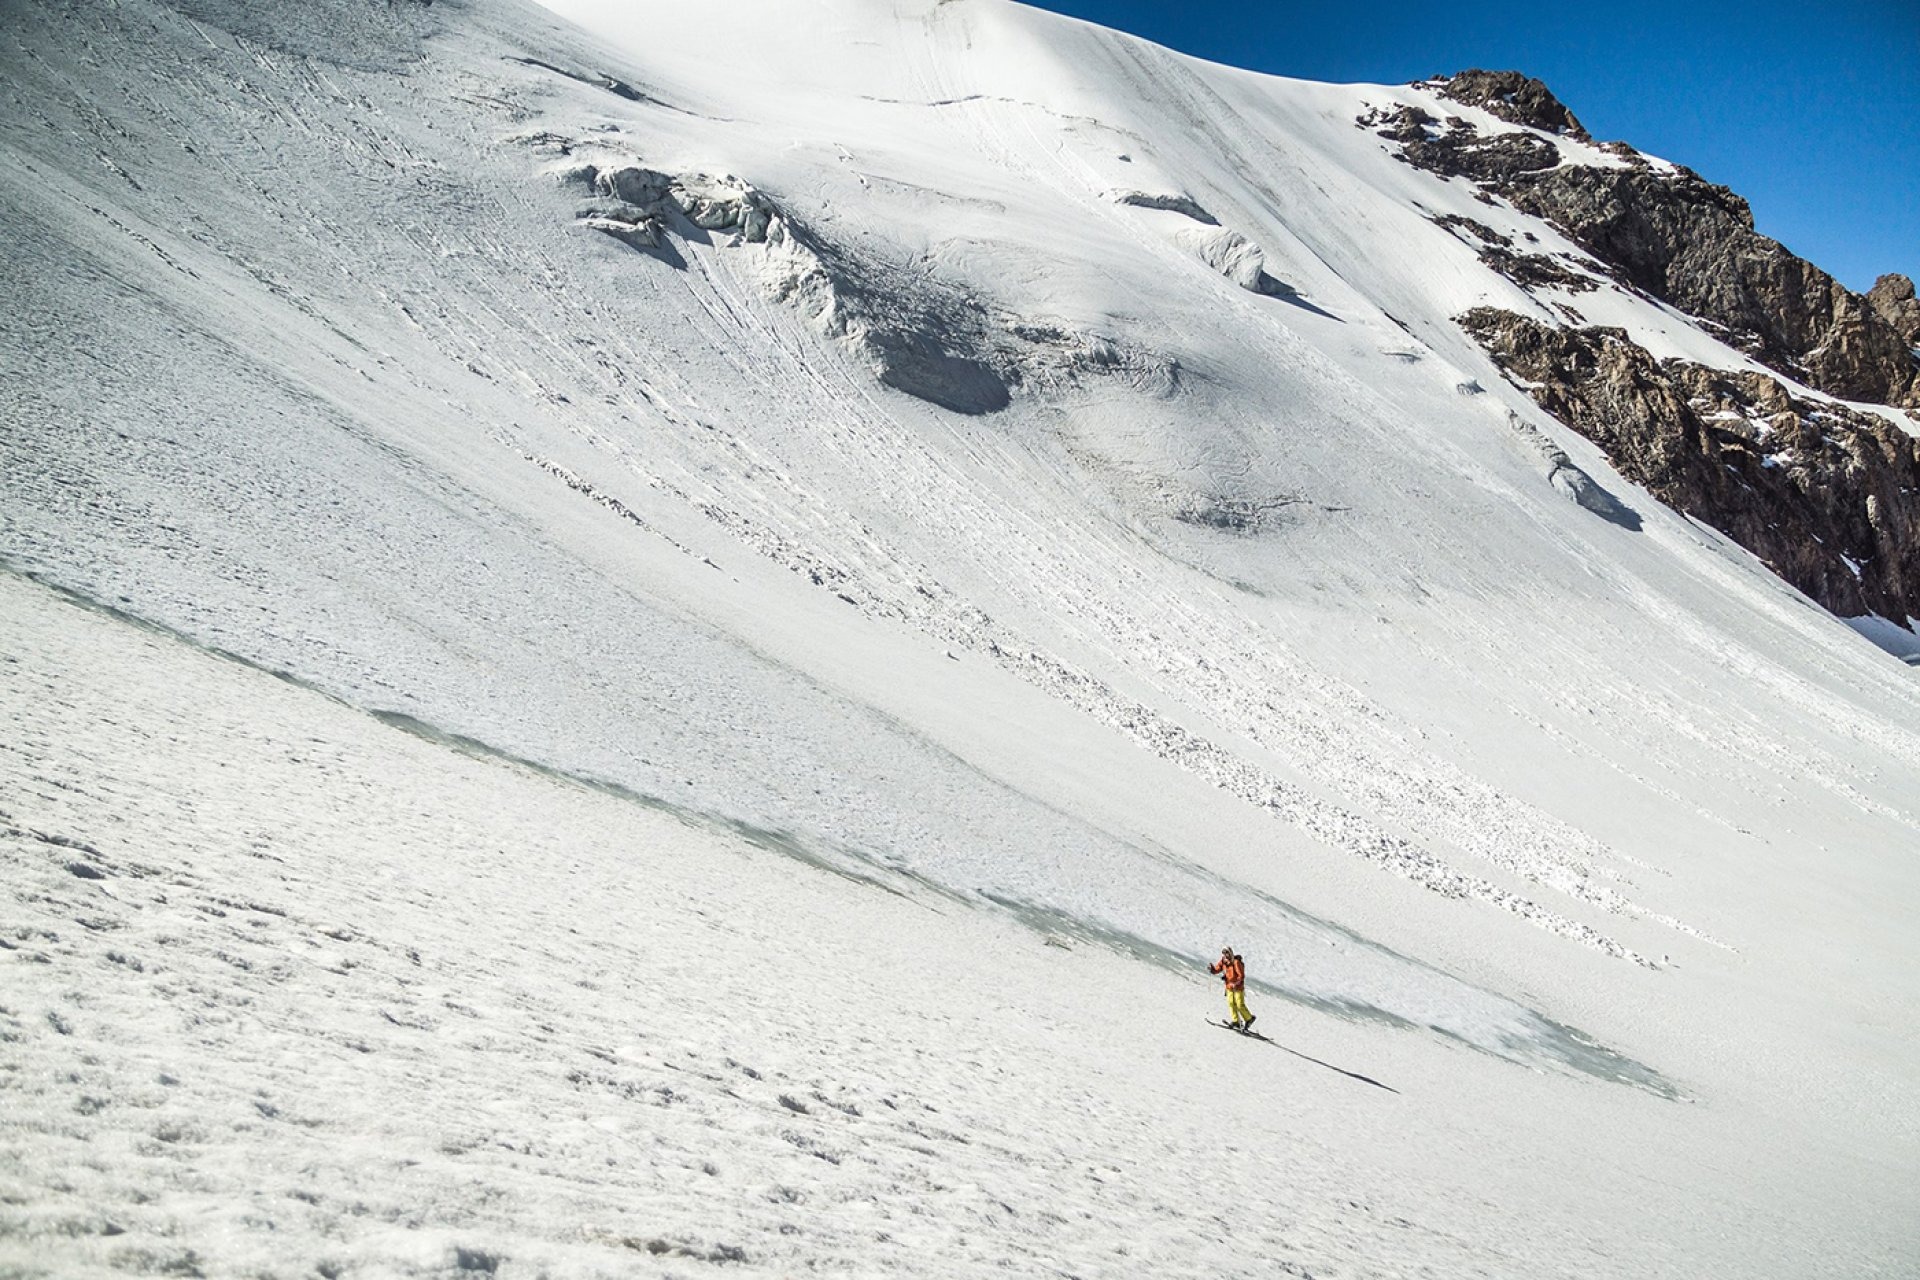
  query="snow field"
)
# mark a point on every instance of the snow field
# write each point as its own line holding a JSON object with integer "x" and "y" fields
{"x": 1240, "y": 600}
{"x": 292, "y": 992}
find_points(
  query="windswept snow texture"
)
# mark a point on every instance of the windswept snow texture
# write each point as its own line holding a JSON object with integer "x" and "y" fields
{"x": 446, "y": 1013}
{"x": 890, "y": 488}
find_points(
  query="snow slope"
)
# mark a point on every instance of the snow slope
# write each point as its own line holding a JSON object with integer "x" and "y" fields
{"x": 428, "y": 1012}
{"x": 1049, "y": 488}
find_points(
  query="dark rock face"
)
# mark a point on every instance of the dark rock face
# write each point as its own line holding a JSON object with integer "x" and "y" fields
{"x": 1536, "y": 271}
{"x": 1675, "y": 236}
{"x": 1515, "y": 98}
{"x": 1455, "y": 147}
{"x": 1692, "y": 243}
{"x": 1827, "y": 497}
{"x": 1892, "y": 300}
{"x": 1528, "y": 270}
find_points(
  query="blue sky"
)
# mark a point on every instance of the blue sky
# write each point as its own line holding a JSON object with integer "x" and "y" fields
{"x": 1811, "y": 110}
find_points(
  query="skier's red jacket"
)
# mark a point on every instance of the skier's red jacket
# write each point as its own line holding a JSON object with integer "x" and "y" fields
{"x": 1232, "y": 971}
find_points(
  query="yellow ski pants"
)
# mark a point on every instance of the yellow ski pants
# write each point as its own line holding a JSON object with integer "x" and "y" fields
{"x": 1237, "y": 1005}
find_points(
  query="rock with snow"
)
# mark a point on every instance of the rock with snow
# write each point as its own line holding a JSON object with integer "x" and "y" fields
{"x": 1825, "y": 495}
{"x": 1892, "y": 300}
{"x": 1669, "y": 232}
{"x": 1515, "y": 98}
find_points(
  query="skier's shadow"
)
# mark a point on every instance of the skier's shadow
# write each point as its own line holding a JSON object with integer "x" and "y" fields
{"x": 1352, "y": 1075}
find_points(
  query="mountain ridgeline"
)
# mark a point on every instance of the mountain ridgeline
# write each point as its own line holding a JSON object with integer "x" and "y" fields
{"x": 1823, "y": 493}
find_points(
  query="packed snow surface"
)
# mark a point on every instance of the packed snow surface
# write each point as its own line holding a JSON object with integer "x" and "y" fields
{"x": 650, "y": 639}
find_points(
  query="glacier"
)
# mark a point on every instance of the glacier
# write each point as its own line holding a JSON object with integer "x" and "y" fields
{"x": 643, "y": 639}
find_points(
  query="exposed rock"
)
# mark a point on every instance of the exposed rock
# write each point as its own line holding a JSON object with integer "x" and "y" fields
{"x": 1515, "y": 98}
{"x": 1827, "y": 497}
{"x": 1180, "y": 204}
{"x": 1626, "y": 152}
{"x": 1470, "y": 231}
{"x": 1692, "y": 243}
{"x": 1682, "y": 239}
{"x": 1537, "y": 270}
{"x": 1456, "y": 148}
{"x": 1528, "y": 270}
{"x": 1892, "y": 300}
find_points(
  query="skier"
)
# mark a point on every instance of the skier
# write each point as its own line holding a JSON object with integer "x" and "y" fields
{"x": 1233, "y": 971}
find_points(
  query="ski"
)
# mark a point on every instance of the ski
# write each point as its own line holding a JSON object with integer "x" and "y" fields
{"x": 1228, "y": 1026}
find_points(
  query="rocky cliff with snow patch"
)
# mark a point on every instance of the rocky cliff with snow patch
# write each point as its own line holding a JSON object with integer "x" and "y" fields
{"x": 1666, "y": 230}
{"x": 1822, "y": 492}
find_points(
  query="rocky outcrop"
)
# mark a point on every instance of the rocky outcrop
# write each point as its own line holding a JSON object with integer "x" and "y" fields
{"x": 1515, "y": 98}
{"x": 1692, "y": 243}
{"x": 1828, "y": 497}
{"x": 1892, "y": 300}
{"x": 1455, "y": 148}
{"x": 1528, "y": 270}
{"x": 1667, "y": 231}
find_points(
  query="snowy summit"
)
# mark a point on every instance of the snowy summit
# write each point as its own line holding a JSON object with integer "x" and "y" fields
{"x": 646, "y": 639}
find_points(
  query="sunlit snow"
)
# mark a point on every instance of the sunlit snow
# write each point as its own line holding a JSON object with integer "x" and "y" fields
{"x": 663, "y": 647}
